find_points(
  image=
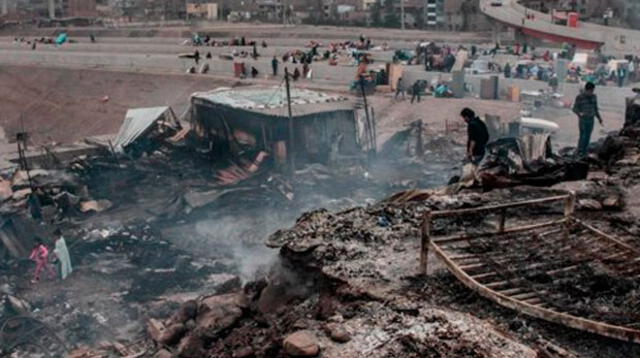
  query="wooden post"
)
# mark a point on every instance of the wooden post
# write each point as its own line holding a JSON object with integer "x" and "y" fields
{"x": 569, "y": 208}
{"x": 425, "y": 242}
{"x": 503, "y": 219}
{"x": 290, "y": 146}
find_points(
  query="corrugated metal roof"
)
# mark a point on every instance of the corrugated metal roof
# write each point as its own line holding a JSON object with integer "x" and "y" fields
{"x": 136, "y": 122}
{"x": 273, "y": 100}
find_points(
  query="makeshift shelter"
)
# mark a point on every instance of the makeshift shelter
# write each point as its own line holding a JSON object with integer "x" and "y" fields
{"x": 324, "y": 128}
{"x": 142, "y": 124}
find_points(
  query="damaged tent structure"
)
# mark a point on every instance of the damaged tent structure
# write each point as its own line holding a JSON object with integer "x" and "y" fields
{"x": 322, "y": 128}
{"x": 142, "y": 126}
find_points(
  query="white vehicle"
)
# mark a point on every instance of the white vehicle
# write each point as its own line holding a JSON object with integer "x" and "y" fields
{"x": 496, "y": 2}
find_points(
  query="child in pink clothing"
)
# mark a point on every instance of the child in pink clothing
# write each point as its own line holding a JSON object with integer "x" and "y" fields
{"x": 40, "y": 254}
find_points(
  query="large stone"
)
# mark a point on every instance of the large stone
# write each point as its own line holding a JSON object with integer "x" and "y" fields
{"x": 613, "y": 202}
{"x": 155, "y": 329}
{"x": 187, "y": 311}
{"x": 172, "y": 334}
{"x": 301, "y": 344}
{"x": 224, "y": 283}
{"x": 337, "y": 332}
{"x": 217, "y": 313}
{"x": 191, "y": 346}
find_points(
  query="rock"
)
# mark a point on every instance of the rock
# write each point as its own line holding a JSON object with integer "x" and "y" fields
{"x": 237, "y": 299}
{"x": 589, "y": 204}
{"x": 218, "y": 313}
{"x": 172, "y": 334}
{"x": 187, "y": 311}
{"x": 155, "y": 329}
{"x": 95, "y": 205}
{"x": 301, "y": 344}
{"x": 224, "y": 282}
{"x": 163, "y": 353}
{"x": 191, "y": 346}
{"x": 613, "y": 203}
{"x": 337, "y": 332}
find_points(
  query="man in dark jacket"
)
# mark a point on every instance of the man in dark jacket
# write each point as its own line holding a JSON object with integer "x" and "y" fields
{"x": 477, "y": 136}
{"x": 586, "y": 108}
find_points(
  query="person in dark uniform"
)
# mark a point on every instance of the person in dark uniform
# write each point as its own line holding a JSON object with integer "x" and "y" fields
{"x": 477, "y": 136}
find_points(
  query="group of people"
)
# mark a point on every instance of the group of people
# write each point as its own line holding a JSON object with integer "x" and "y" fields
{"x": 585, "y": 107}
{"x": 44, "y": 259}
{"x": 206, "y": 40}
{"x": 416, "y": 90}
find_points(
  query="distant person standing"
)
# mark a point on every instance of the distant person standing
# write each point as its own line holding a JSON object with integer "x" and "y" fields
{"x": 507, "y": 70}
{"x": 621, "y": 74}
{"x": 477, "y": 136}
{"x": 415, "y": 89}
{"x": 400, "y": 89}
{"x": 62, "y": 255}
{"x": 196, "y": 56}
{"x": 586, "y": 108}
{"x": 274, "y": 66}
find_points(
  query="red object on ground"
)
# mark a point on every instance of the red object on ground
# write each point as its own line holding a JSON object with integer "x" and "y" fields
{"x": 572, "y": 19}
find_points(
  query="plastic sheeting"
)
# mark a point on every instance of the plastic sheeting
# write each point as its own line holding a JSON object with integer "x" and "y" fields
{"x": 136, "y": 123}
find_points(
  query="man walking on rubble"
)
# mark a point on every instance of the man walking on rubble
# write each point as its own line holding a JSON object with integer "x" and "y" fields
{"x": 477, "y": 136}
{"x": 586, "y": 108}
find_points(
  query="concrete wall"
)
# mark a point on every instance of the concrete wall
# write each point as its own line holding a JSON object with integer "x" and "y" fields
{"x": 610, "y": 97}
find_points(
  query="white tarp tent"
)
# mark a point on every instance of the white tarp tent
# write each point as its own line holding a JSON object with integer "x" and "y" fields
{"x": 138, "y": 121}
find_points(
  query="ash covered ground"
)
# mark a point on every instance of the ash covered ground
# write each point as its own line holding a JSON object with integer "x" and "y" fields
{"x": 170, "y": 235}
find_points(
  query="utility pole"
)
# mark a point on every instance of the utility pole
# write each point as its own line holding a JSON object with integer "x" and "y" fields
{"x": 186, "y": 10}
{"x": 370, "y": 130}
{"x": 52, "y": 9}
{"x": 401, "y": 14}
{"x": 5, "y": 7}
{"x": 284, "y": 12}
{"x": 291, "y": 137}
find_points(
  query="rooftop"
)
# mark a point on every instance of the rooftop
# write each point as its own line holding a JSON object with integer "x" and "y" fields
{"x": 273, "y": 100}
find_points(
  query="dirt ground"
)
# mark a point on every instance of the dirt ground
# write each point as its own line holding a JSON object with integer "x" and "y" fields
{"x": 63, "y": 105}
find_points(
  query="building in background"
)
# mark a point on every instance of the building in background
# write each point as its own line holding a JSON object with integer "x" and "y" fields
{"x": 463, "y": 15}
{"x": 80, "y": 8}
{"x": 206, "y": 11}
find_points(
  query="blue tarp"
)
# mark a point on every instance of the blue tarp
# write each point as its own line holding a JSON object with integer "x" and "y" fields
{"x": 62, "y": 38}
